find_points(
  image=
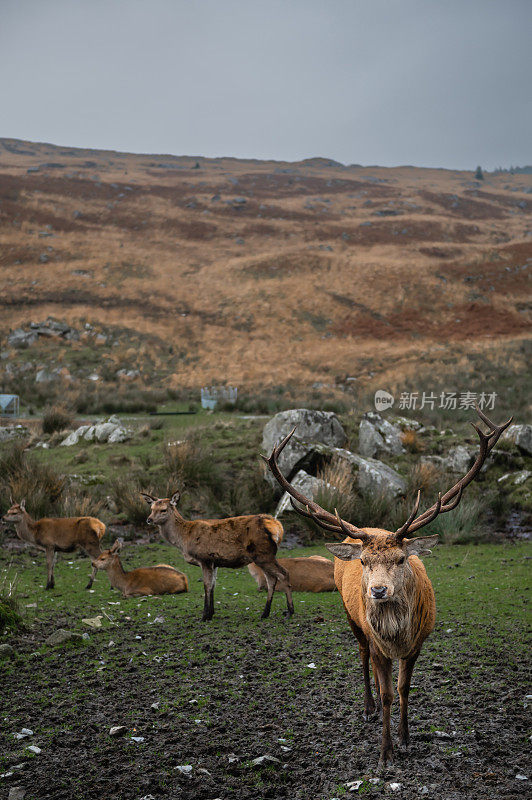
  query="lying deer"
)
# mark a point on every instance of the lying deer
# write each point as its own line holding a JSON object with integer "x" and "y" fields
{"x": 161, "y": 579}
{"x": 311, "y": 574}
{"x": 385, "y": 589}
{"x": 231, "y": 542}
{"x": 53, "y": 535}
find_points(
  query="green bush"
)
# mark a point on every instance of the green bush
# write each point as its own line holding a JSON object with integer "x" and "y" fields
{"x": 55, "y": 418}
{"x": 23, "y": 477}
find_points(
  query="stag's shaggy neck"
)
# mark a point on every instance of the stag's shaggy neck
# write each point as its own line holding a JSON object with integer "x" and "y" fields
{"x": 391, "y": 622}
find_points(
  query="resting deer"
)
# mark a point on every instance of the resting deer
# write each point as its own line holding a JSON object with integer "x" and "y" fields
{"x": 311, "y": 574}
{"x": 53, "y": 535}
{"x": 231, "y": 542}
{"x": 161, "y": 579}
{"x": 385, "y": 589}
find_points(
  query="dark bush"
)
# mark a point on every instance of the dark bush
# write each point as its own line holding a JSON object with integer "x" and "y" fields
{"x": 55, "y": 418}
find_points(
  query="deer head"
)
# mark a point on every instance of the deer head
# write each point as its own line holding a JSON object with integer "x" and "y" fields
{"x": 161, "y": 508}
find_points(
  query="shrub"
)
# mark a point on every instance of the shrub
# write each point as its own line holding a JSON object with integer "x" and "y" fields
{"x": 23, "y": 477}
{"x": 125, "y": 491}
{"x": 188, "y": 463}
{"x": 411, "y": 441}
{"x": 55, "y": 418}
{"x": 247, "y": 493}
{"x": 463, "y": 524}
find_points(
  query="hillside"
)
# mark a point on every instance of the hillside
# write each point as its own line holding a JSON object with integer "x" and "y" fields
{"x": 187, "y": 271}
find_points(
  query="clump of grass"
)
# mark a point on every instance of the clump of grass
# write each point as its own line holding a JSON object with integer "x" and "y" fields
{"x": 125, "y": 492}
{"x": 23, "y": 477}
{"x": 248, "y": 493}
{"x": 78, "y": 504}
{"x": 411, "y": 441}
{"x": 188, "y": 463}
{"x": 55, "y": 418}
{"x": 426, "y": 477}
{"x": 10, "y": 618}
{"x": 462, "y": 525}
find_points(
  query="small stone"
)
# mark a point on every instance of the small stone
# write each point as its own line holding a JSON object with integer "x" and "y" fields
{"x": 159, "y": 619}
{"x": 117, "y": 730}
{"x": 184, "y": 769}
{"x": 520, "y": 777}
{"x": 312, "y": 665}
{"x": 93, "y": 622}
{"x": 155, "y": 706}
{"x": 354, "y": 786}
{"x": 34, "y": 749}
{"x": 26, "y": 732}
{"x": 395, "y": 787}
{"x": 203, "y": 771}
{"x": 442, "y": 735}
{"x": 137, "y": 738}
{"x": 61, "y": 636}
{"x": 262, "y": 761}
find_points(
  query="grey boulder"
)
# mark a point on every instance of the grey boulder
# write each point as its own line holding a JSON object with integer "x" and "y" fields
{"x": 521, "y": 435}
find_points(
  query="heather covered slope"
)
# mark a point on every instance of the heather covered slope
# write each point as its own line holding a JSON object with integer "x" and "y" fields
{"x": 262, "y": 273}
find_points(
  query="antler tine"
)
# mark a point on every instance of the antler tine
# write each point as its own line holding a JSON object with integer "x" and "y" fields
{"x": 357, "y": 534}
{"x": 401, "y": 532}
{"x": 318, "y": 513}
{"x": 313, "y": 517}
{"x": 452, "y": 497}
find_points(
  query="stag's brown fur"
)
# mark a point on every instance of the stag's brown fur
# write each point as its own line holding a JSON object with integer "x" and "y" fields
{"x": 393, "y": 627}
{"x": 311, "y": 574}
{"x": 231, "y": 542}
{"x": 143, "y": 581}
{"x": 61, "y": 534}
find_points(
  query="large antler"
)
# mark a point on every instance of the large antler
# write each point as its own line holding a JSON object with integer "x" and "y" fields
{"x": 451, "y": 498}
{"x": 326, "y": 520}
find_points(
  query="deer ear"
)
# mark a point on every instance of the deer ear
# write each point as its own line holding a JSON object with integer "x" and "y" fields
{"x": 420, "y": 546}
{"x": 345, "y": 551}
{"x": 174, "y": 500}
{"x": 117, "y": 545}
{"x": 148, "y": 498}
{"x": 23, "y": 504}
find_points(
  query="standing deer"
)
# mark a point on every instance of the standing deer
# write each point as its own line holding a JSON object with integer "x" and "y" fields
{"x": 231, "y": 542}
{"x": 161, "y": 579}
{"x": 306, "y": 574}
{"x": 385, "y": 589}
{"x": 53, "y": 535}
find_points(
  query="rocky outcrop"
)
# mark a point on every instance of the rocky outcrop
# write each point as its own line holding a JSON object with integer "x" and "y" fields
{"x": 306, "y": 484}
{"x": 521, "y": 435}
{"x": 111, "y": 432}
{"x": 312, "y": 428}
{"x": 377, "y": 435}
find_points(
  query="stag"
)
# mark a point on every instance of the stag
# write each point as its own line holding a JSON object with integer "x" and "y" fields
{"x": 57, "y": 534}
{"x": 386, "y": 592}
{"x": 230, "y": 542}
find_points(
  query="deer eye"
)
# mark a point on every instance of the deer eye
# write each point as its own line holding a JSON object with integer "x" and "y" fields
{"x": 401, "y": 560}
{"x": 362, "y": 562}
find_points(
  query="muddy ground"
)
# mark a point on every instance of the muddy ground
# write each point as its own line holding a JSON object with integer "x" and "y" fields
{"x": 235, "y": 689}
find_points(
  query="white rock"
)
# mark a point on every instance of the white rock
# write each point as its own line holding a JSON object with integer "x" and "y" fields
{"x": 137, "y": 738}
{"x": 119, "y": 435}
{"x": 520, "y": 777}
{"x": 395, "y": 787}
{"x": 354, "y": 786}
{"x": 75, "y": 436}
{"x": 185, "y": 769}
{"x": 521, "y": 435}
{"x": 312, "y": 665}
{"x": 93, "y": 622}
{"x": 103, "y": 431}
{"x": 34, "y": 749}
{"x": 263, "y": 760}
{"x": 117, "y": 730}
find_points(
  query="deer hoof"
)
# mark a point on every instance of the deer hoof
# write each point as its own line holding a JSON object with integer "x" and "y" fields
{"x": 50, "y": 585}
{"x": 385, "y": 763}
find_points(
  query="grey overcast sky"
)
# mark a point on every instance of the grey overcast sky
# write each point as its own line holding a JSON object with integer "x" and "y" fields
{"x": 443, "y": 83}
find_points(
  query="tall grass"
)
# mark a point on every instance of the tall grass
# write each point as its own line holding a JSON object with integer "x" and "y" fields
{"x": 10, "y": 617}
{"x": 55, "y": 418}
{"x": 23, "y": 477}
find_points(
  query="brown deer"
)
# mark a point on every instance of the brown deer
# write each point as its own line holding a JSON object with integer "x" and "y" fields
{"x": 310, "y": 574}
{"x": 53, "y": 535}
{"x": 385, "y": 589}
{"x": 161, "y": 579}
{"x": 231, "y": 542}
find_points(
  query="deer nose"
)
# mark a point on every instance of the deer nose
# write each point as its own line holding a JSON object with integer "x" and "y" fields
{"x": 378, "y": 592}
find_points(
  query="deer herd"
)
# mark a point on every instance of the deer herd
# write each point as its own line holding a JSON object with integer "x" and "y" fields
{"x": 386, "y": 592}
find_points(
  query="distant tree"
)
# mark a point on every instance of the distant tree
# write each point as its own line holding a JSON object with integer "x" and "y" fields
{"x": 479, "y": 175}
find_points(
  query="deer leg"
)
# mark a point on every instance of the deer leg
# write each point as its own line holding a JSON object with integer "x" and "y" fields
{"x": 363, "y": 645}
{"x": 283, "y": 582}
{"x": 271, "y": 580}
{"x": 92, "y": 552}
{"x": 209, "y": 580}
{"x": 50, "y": 563}
{"x": 377, "y": 688}
{"x": 384, "y": 672}
{"x": 406, "y": 668}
